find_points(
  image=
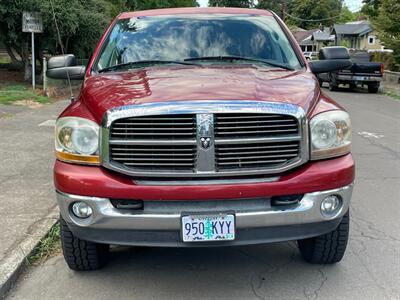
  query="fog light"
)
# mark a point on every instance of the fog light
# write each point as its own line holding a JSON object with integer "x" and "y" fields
{"x": 81, "y": 210}
{"x": 331, "y": 205}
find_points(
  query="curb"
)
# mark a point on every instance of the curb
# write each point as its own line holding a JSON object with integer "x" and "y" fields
{"x": 12, "y": 265}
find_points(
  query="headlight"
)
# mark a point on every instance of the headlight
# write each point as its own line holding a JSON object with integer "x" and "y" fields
{"x": 330, "y": 134}
{"x": 77, "y": 140}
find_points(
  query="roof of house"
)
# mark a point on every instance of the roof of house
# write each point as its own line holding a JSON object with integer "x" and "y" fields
{"x": 301, "y": 35}
{"x": 358, "y": 28}
{"x": 322, "y": 36}
{"x": 307, "y": 37}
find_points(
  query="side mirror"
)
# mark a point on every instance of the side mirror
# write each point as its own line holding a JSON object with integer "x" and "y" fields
{"x": 64, "y": 66}
{"x": 330, "y": 65}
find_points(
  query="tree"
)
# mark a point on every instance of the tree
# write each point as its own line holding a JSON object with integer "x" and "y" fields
{"x": 276, "y": 6}
{"x": 371, "y": 8}
{"x": 80, "y": 24}
{"x": 346, "y": 15}
{"x": 387, "y": 23}
{"x": 231, "y": 3}
{"x": 323, "y": 12}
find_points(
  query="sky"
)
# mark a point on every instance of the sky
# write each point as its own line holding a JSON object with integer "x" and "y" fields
{"x": 353, "y": 5}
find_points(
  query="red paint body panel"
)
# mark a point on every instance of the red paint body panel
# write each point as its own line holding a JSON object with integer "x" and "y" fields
{"x": 157, "y": 84}
{"x": 99, "y": 182}
{"x": 101, "y": 92}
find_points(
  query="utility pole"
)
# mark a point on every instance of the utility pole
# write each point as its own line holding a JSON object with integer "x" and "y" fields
{"x": 32, "y": 22}
{"x": 283, "y": 10}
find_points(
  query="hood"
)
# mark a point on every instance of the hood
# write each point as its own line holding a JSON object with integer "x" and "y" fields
{"x": 109, "y": 90}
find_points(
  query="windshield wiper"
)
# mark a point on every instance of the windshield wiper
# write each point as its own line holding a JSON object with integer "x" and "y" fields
{"x": 232, "y": 58}
{"x": 143, "y": 63}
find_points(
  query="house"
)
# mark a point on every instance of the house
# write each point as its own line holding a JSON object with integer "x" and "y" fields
{"x": 313, "y": 40}
{"x": 356, "y": 35}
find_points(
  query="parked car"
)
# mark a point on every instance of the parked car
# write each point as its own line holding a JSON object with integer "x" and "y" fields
{"x": 311, "y": 55}
{"x": 362, "y": 72}
{"x": 201, "y": 127}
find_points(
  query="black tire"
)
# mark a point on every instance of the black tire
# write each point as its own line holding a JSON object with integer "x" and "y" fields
{"x": 82, "y": 255}
{"x": 333, "y": 86}
{"x": 328, "y": 248}
{"x": 373, "y": 89}
{"x": 352, "y": 86}
{"x": 321, "y": 83}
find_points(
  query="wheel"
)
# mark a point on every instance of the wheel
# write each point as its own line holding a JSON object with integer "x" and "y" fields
{"x": 352, "y": 86}
{"x": 328, "y": 248}
{"x": 81, "y": 255}
{"x": 333, "y": 86}
{"x": 321, "y": 83}
{"x": 373, "y": 89}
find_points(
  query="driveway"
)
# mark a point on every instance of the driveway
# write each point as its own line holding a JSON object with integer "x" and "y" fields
{"x": 370, "y": 269}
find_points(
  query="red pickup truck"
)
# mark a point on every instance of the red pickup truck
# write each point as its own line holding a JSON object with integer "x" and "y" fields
{"x": 201, "y": 127}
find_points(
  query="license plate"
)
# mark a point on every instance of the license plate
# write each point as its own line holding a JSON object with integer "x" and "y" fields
{"x": 360, "y": 78}
{"x": 207, "y": 228}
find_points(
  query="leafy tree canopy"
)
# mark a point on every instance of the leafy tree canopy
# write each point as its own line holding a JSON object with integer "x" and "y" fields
{"x": 231, "y": 3}
{"x": 323, "y": 12}
{"x": 387, "y": 23}
{"x": 80, "y": 23}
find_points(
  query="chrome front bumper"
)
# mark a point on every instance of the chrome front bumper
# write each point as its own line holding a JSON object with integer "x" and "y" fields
{"x": 167, "y": 216}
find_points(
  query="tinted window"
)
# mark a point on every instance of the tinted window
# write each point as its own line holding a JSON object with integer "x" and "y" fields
{"x": 187, "y": 36}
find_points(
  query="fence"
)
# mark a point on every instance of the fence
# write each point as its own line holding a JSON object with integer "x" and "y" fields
{"x": 391, "y": 77}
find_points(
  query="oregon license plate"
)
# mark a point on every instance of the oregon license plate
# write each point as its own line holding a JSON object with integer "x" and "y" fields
{"x": 207, "y": 228}
{"x": 360, "y": 78}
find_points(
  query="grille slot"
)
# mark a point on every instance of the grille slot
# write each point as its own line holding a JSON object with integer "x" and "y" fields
{"x": 171, "y": 127}
{"x": 254, "y": 125}
{"x": 153, "y": 158}
{"x": 255, "y": 155}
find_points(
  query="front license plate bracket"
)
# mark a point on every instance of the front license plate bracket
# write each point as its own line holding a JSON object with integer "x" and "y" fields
{"x": 204, "y": 227}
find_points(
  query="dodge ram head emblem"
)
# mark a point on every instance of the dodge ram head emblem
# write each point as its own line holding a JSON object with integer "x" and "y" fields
{"x": 205, "y": 142}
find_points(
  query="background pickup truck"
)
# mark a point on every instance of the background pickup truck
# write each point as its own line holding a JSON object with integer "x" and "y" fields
{"x": 362, "y": 72}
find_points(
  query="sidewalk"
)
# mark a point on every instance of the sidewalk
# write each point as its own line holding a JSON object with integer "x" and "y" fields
{"x": 27, "y": 203}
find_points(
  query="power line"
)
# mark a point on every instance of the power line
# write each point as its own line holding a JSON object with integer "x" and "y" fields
{"x": 308, "y": 20}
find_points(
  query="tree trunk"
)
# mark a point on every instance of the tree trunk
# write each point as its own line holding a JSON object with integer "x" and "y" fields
{"x": 11, "y": 54}
{"x": 25, "y": 61}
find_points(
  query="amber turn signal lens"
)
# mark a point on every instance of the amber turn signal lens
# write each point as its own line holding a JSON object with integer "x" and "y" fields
{"x": 76, "y": 158}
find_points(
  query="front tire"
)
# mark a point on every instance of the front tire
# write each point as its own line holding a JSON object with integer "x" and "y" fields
{"x": 328, "y": 248}
{"x": 81, "y": 255}
{"x": 333, "y": 85}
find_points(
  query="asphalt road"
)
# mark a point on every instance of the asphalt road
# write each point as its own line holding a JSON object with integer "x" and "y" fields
{"x": 369, "y": 270}
{"x": 26, "y": 160}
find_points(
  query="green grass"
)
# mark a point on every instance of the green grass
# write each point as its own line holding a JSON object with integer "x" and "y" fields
{"x": 390, "y": 93}
{"x": 17, "y": 92}
{"x": 393, "y": 95}
{"x": 47, "y": 247}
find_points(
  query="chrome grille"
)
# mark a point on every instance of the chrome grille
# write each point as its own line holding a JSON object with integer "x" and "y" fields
{"x": 153, "y": 138}
{"x": 254, "y": 125}
{"x": 150, "y": 157}
{"x": 204, "y": 139}
{"x": 255, "y": 155}
{"x": 250, "y": 140}
{"x": 155, "y": 127}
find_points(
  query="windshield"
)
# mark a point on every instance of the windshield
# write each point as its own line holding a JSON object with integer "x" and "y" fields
{"x": 182, "y": 37}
